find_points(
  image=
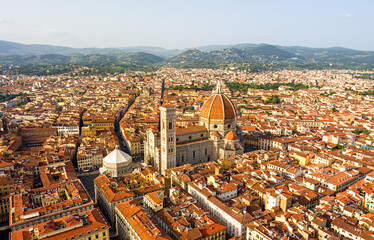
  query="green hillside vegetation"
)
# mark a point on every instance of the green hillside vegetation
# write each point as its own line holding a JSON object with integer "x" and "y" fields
{"x": 204, "y": 87}
{"x": 243, "y": 87}
{"x": 92, "y": 64}
{"x": 18, "y": 58}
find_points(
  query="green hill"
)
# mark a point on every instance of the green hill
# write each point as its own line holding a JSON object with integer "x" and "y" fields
{"x": 40, "y": 59}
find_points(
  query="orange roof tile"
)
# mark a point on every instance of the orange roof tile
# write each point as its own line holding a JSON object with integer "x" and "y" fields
{"x": 231, "y": 136}
{"x": 218, "y": 106}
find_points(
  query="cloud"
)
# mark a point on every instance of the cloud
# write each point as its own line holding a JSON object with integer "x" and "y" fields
{"x": 347, "y": 15}
{"x": 3, "y": 21}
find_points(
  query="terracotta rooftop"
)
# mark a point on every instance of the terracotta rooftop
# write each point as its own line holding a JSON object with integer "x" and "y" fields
{"x": 231, "y": 136}
{"x": 86, "y": 223}
{"x": 140, "y": 221}
{"x": 218, "y": 106}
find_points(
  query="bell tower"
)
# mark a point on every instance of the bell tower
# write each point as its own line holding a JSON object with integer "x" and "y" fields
{"x": 168, "y": 141}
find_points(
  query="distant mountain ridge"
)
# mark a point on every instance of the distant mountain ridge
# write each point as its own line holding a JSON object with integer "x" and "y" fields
{"x": 141, "y": 58}
{"x": 12, "y": 48}
{"x": 261, "y": 53}
{"x": 204, "y": 56}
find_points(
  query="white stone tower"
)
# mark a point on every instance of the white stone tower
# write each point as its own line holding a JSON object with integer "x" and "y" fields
{"x": 168, "y": 141}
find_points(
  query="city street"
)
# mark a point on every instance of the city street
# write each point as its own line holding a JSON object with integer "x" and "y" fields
{"x": 87, "y": 180}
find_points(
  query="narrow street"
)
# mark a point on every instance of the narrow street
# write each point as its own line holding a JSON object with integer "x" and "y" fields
{"x": 87, "y": 178}
{"x": 117, "y": 129}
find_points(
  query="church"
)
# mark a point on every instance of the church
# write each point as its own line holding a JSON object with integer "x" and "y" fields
{"x": 117, "y": 163}
{"x": 215, "y": 138}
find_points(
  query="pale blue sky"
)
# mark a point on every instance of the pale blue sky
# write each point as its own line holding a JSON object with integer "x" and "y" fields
{"x": 188, "y": 23}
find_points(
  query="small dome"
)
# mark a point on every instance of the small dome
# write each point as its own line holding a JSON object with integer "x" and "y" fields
{"x": 215, "y": 134}
{"x": 231, "y": 136}
{"x": 218, "y": 107}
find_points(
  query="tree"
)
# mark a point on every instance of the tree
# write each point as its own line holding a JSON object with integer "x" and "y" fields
{"x": 188, "y": 108}
{"x": 337, "y": 147}
{"x": 359, "y": 131}
{"x": 241, "y": 107}
{"x": 273, "y": 99}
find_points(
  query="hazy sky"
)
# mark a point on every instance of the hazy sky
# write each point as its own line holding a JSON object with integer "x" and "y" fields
{"x": 188, "y": 23}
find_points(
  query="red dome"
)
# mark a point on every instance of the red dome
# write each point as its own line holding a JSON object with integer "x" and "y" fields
{"x": 218, "y": 107}
{"x": 231, "y": 136}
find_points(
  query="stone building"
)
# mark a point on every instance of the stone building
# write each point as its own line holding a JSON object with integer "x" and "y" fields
{"x": 117, "y": 163}
{"x": 215, "y": 138}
